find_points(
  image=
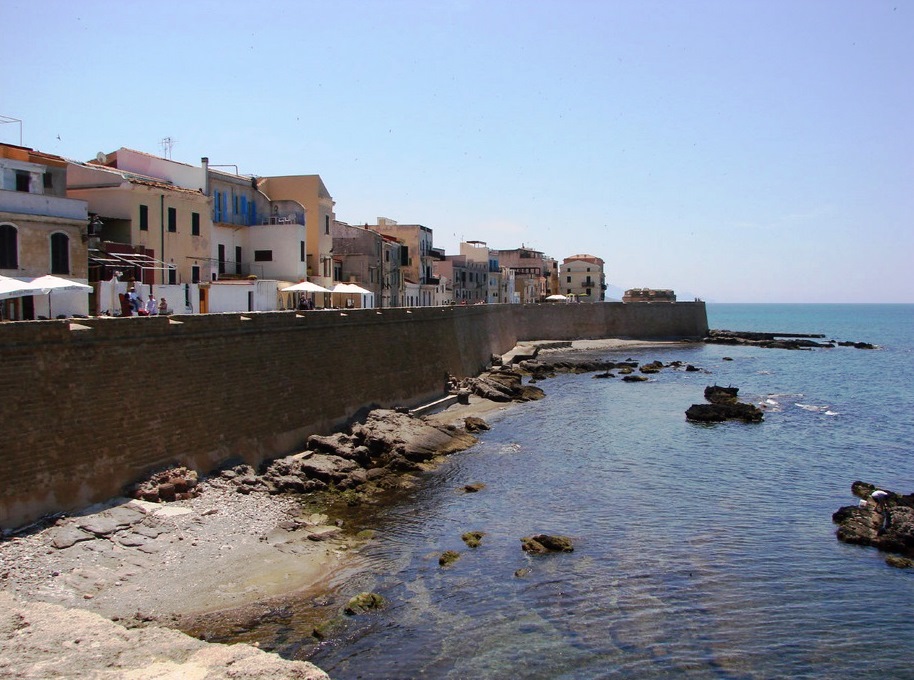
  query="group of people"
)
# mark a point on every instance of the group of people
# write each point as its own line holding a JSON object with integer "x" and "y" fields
{"x": 149, "y": 307}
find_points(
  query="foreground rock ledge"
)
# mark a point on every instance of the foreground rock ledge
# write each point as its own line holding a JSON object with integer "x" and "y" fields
{"x": 39, "y": 640}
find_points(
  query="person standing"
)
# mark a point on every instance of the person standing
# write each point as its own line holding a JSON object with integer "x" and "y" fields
{"x": 152, "y": 308}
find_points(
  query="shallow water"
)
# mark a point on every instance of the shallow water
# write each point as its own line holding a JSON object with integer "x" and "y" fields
{"x": 699, "y": 550}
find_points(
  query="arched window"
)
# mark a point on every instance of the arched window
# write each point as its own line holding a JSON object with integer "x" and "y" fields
{"x": 9, "y": 247}
{"x": 60, "y": 253}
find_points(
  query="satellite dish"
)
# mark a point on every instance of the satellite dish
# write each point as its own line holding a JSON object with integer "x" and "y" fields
{"x": 101, "y": 157}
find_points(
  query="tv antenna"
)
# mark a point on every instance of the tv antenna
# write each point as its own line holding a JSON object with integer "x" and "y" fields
{"x": 167, "y": 145}
{"x": 8, "y": 119}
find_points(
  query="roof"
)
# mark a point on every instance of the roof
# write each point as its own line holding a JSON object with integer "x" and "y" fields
{"x": 136, "y": 178}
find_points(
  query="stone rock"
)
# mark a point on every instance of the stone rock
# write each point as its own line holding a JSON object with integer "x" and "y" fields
{"x": 634, "y": 378}
{"x": 473, "y": 538}
{"x": 474, "y": 487}
{"x": 363, "y": 602}
{"x": 167, "y": 485}
{"x": 716, "y": 413}
{"x": 724, "y": 406}
{"x": 474, "y": 424}
{"x": 448, "y": 557}
{"x": 545, "y": 543}
{"x": 66, "y": 536}
{"x": 716, "y": 394}
{"x": 890, "y": 530}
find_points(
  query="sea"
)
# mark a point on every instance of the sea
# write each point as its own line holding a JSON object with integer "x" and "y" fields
{"x": 700, "y": 551}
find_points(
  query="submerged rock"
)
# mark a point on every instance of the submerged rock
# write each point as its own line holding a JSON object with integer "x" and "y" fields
{"x": 448, "y": 557}
{"x": 363, "y": 602}
{"x": 545, "y": 543}
{"x": 473, "y": 538}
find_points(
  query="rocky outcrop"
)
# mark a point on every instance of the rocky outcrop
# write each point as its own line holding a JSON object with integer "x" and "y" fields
{"x": 47, "y": 640}
{"x": 777, "y": 340}
{"x": 502, "y": 385}
{"x": 386, "y": 444}
{"x": 888, "y": 526}
{"x": 173, "y": 484}
{"x": 546, "y": 543}
{"x": 724, "y": 405}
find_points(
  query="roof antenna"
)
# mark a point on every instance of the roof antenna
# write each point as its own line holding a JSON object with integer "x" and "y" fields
{"x": 167, "y": 144}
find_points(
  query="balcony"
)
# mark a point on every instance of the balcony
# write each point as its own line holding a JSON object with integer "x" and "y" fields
{"x": 42, "y": 205}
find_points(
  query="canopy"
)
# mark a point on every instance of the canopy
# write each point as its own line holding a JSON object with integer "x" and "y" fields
{"x": 350, "y": 288}
{"x": 49, "y": 283}
{"x": 10, "y": 288}
{"x": 305, "y": 287}
{"x": 556, "y": 297}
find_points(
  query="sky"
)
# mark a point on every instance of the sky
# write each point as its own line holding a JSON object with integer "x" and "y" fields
{"x": 734, "y": 150}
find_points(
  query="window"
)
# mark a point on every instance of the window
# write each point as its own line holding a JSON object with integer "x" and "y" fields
{"x": 195, "y": 274}
{"x": 220, "y": 256}
{"x": 195, "y": 224}
{"x": 172, "y": 276}
{"x": 569, "y": 279}
{"x": 144, "y": 218}
{"x": 23, "y": 181}
{"x": 326, "y": 224}
{"x": 302, "y": 248}
{"x": 48, "y": 180}
{"x": 234, "y": 202}
{"x": 9, "y": 247}
{"x": 173, "y": 220}
{"x": 238, "y": 260}
{"x": 60, "y": 254}
{"x": 217, "y": 206}
{"x": 263, "y": 256}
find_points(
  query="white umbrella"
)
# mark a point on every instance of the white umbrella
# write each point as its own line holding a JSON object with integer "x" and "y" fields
{"x": 47, "y": 284}
{"x": 556, "y": 298}
{"x": 10, "y": 288}
{"x": 350, "y": 288}
{"x": 305, "y": 287}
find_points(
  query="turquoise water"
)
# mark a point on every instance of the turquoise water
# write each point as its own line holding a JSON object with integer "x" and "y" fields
{"x": 705, "y": 551}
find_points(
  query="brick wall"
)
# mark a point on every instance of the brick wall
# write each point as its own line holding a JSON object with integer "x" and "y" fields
{"x": 87, "y": 411}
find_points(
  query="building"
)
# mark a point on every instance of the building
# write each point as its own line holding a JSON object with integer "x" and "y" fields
{"x": 253, "y": 235}
{"x": 582, "y": 276}
{"x": 156, "y": 226}
{"x": 532, "y": 271}
{"x": 311, "y": 193}
{"x": 649, "y": 295}
{"x": 42, "y": 231}
{"x": 478, "y": 251}
{"x": 421, "y": 287}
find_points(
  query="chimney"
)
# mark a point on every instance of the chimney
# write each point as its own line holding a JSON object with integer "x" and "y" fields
{"x": 205, "y": 163}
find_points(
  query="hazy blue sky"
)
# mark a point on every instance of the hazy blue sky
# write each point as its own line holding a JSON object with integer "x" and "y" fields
{"x": 741, "y": 151}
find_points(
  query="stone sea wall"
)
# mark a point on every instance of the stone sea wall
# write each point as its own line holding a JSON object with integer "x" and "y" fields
{"x": 90, "y": 407}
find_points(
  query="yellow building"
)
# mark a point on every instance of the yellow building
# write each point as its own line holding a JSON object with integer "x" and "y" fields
{"x": 582, "y": 276}
{"x": 171, "y": 226}
{"x": 309, "y": 191}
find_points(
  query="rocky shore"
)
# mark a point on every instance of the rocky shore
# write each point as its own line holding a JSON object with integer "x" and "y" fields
{"x": 105, "y": 583}
{"x": 185, "y": 552}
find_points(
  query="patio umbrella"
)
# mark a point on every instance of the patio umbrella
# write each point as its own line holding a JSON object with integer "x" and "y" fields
{"x": 349, "y": 289}
{"x": 305, "y": 287}
{"x": 556, "y": 298}
{"x": 47, "y": 284}
{"x": 10, "y": 288}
